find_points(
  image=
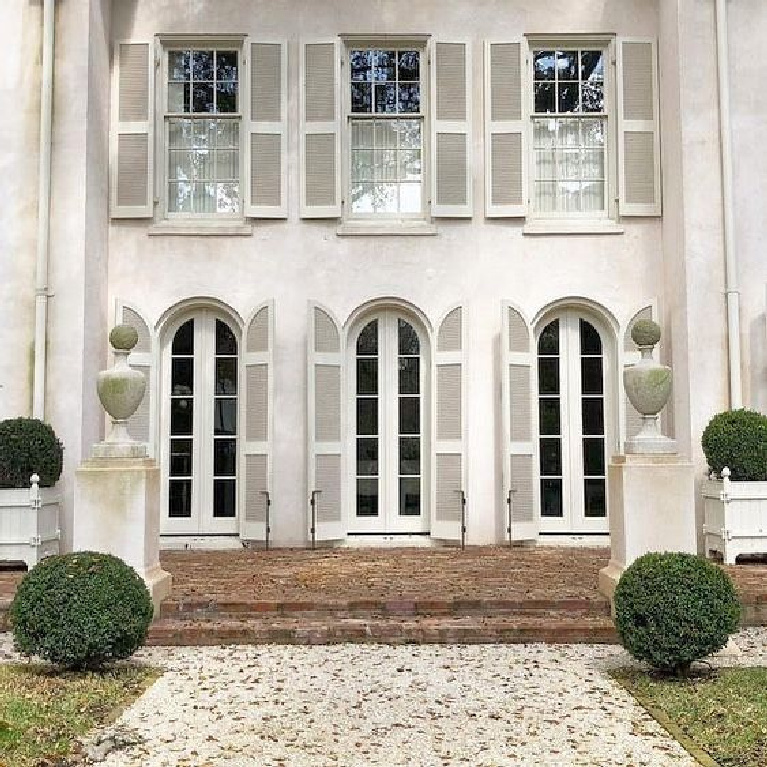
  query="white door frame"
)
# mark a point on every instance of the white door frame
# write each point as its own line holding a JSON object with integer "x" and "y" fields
{"x": 573, "y": 520}
{"x": 200, "y": 522}
{"x": 388, "y": 520}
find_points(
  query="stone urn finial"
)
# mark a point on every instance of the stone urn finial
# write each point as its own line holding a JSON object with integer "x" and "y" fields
{"x": 648, "y": 386}
{"x": 121, "y": 390}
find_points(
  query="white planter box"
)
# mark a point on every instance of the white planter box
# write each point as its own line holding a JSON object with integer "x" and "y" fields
{"x": 27, "y": 533}
{"x": 734, "y": 518}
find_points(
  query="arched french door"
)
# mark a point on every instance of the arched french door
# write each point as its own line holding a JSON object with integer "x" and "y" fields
{"x": 199, "y": 451}
{"x": 574, "y": 424}
{"x": 388, "y": 415}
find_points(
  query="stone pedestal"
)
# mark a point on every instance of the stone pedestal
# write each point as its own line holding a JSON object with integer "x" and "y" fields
{"x": 652, "y": 508}
{"x": 117, "y": 511}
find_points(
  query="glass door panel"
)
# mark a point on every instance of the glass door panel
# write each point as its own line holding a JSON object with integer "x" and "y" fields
{"x": 367, "y": 388}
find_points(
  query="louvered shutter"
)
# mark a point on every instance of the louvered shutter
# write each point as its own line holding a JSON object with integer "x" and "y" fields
{"x": 320, "y": 130}
{"x": 325, "y": 422}
{"x": 519, "y": 484}
{"x": 258, "y": 386}
{"x": 638, "y": 128}
{"x": 505, "y": 166}
{"x": 451, "y": 131}
{"x": 141, "y": 423}
{"x": 449, "y": 471}
{"x": 266, "y": 194}
{"x": 632, "y": 420}
{"x": 131, "y": 154}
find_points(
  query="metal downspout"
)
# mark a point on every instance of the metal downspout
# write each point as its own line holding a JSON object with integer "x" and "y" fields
{"x": 730, "y": 261}
{"x": 43, "y": 213}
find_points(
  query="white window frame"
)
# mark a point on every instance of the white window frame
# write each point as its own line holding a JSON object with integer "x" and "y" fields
{"x": 540, "y": 222}
{"x": 219, "y": 223}
{"x": 383, "y": 223}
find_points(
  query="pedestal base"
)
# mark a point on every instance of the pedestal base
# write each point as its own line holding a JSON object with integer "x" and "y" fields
{"x": 652, "y": 508}
{"x": 117, "y": 511}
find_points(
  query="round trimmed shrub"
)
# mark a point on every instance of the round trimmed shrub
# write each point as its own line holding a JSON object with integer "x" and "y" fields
{"x": 29, "y": 446}
{"x": 672, "y": 609}
{"x": 81, "y": 610}
{"x": 737, "y": 439}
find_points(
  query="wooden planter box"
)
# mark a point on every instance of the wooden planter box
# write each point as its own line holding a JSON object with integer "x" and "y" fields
{"x": 734, "y": 518}
{"x": 28, "y": 533}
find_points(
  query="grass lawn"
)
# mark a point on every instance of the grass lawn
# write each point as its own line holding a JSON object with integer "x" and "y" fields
{"x": 724, "y": 712}
{"x": 42, "y": 713}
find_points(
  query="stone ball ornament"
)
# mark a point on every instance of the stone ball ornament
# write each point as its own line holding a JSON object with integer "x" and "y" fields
{"x": 123, "y": 337}
{"x": 645, "y": 333}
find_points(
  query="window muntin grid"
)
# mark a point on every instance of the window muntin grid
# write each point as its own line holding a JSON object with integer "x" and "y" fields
{"x": 203, "y": 152}
{"x": 386, "y": 133}
{"x": 569, "y": 132}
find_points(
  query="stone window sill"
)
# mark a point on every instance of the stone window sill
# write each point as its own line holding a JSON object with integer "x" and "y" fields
{"x": 563, "y": 226}
{"x": 390, "y": 228}
{"x": 201, "y": 228}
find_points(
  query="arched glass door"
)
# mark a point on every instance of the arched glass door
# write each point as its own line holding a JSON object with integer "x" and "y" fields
{"x": 572, "y": 421}
{"x": 388, "y": 418}
{"x": 200, "y": 425}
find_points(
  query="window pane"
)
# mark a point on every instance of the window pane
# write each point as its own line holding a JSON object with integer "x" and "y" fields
{"x": 202, "y": 97}
{"x": 595, "y": 498}
{"x": 362, "y": 97}
{"x": 226, "y": 97}
{"x": 367, "y": 376}
{"x": 385, "y": 198}
{"x": 407, "y": 338}
{"x": 409, "y": 97}
{"x": 568, "y": 97}
{"x": 409, "y": 375}
{"x": 183, "y": 341}
{"x": 410, "y": 198}
{"x": 543, "y": 65}
{"x": 592, "y": 65}
{"x": 569, "y": 133}
{"x": 591, "y": 375}
{"x": 544, "y": 97}
{"x": 549, "y": 416}
{"x": 360, "y": 65}
{"x": 409, "y": 415}
{"x": 410, "y": 456}
{"x": 362, "y": 134}
{"x": 592, "y": 415}
{"x": 224, "y": 505}
{"x": 178, "y": 97}
{"x": 202, "y": 65}
{"x": 367, "y": 341}
{"x": 181, "y": 416}
{"x": 179, "y": 133}
{"x": 384, "y": 65}
{"x": 226, "y": 65}
{"x": 409, "y": 134}
{"x": 179, "y": 164}
{"x": 225, "y": 133}
{"x": 228, "y": 197}
{"x": 593, "y": 196}
{"x": 409, "y": 65}
{"x": 548, "y": 342}
{"x": 385, "y": 164}
{"x": 367, "y": 497}
{"x": 410, "y": 165}
{"x": 182, "y": 376}
{"x": 545, "y": 164}
{"x": 363, "y": 198}
{"x": 593, "y": 97}
{"x": 178, "y": 65}
{"x": 226, "y": 376}
{"x": 180, "y": 498}
{"x": 593, "y": 133}
{"x": 362, "y": 165}
{"x": 226, "y": 343}
{"x": 367, "y": 457}
{"x": 367, "y": 416}
{"x": 594, "y": 457}
{"x": 593, "y": 164}
{"x": 551, "y": 497}
{"x": 225, "y": 416}
{"x": 180, "y": 457}
{"x": 569, "y": 200}
{"x": 591, "y": 342}
{"x": 225, "y": 457}
{"x": 548, "y": 375}
{"x": 409, "y": 496}
{"x": 569, "y": 164}
{"x": 386, "y": 98}
{"x": 567, "y": 65}
{"x": 551, "y": 457}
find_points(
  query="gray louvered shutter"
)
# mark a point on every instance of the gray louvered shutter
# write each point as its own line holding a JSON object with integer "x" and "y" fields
{"x": 505, "y": 166}
{"x": 256, "y": 471}
{"x": 131, "y": 155}
{"x": 141, "y": 423}
{"x": 451, "y": 131}
{"x": 638, "y": 128}
{"x": 519, "y": 484}
{"x": 266, "y": 194}
{"x": 320, "y": 130}
{"x": 449, "y": 472}
{"x": 325, "y": 425}
{"x": 632, "y": 420}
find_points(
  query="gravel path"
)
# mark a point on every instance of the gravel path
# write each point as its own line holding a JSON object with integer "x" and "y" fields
{"x": 376, "y": 705}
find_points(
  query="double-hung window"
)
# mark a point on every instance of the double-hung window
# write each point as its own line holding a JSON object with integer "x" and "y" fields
{"x": 385, "y": 118}
{"x": 202, "y": 126}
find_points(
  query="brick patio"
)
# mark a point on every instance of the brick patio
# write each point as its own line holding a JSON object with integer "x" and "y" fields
{"x": 482, "y": 594}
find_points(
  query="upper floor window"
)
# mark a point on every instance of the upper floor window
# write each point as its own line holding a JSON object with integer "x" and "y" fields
{"x": 385, "y": 115}
{"x": 202, "y": 132}
{"x": 570, "y": 145}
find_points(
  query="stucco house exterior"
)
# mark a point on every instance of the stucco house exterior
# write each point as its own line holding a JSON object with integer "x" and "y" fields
{"x": 383, "y": 258}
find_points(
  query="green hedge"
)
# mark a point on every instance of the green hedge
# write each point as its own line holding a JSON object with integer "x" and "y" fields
{"x": 29, "y": 446}
{"x": 737, "y": 439}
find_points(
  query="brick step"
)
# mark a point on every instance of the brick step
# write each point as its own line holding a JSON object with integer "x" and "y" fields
{"x": 416, "y": 630}
{"x": 189, "y": 609}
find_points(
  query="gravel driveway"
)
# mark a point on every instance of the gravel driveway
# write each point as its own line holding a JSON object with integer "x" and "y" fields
{"x": 376, "y": 705}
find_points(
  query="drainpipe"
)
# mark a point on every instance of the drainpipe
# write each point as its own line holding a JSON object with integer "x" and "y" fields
{"x": 730, "y": 261}
{"x": 43, "y": 212}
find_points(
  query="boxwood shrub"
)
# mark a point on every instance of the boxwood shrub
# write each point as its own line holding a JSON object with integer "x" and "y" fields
{"x": 672, "y": 609}
{"x": 737, "y": 439}
{"x": 81, "y": 610}
{"x": 29, "y": 446}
